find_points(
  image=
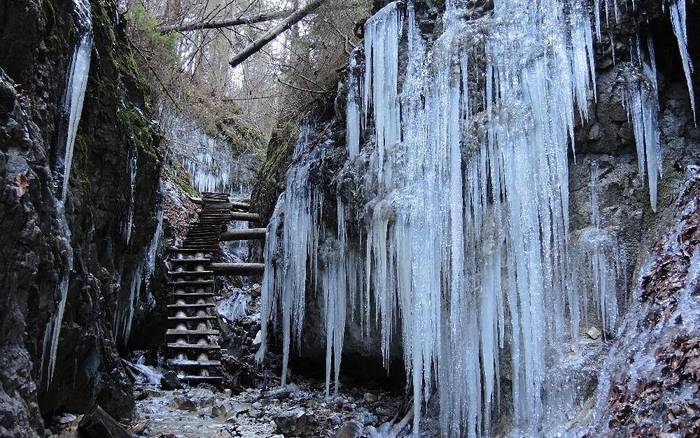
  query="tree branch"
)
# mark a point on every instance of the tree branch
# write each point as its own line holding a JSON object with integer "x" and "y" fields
{"x": 271, "y": 34}
{"x": 252, "y": 19}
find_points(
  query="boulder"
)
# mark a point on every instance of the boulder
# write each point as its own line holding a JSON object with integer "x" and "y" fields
{"x": 351, "y": 429}
{"x": 169, "y": 381}
{"x": 296, "y": 422}
{"x": 183, "y": 403}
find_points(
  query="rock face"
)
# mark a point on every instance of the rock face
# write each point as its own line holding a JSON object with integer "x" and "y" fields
{"x": 605, "y": 160}
{"x": 651, "y": 379}
{"x": 117, "y": 152}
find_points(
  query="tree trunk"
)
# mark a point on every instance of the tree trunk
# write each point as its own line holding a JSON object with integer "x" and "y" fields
{"x": 270, "y": 35}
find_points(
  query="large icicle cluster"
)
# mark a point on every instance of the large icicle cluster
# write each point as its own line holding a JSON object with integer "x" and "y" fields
{"x": 286, "y": 278}
{"x": 470, "y": 224}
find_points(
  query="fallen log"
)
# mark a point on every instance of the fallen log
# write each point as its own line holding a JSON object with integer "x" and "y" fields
{"x": 241, "y": 216}
{"x": 99, "y": 424}
{"x": 244, "y": 234}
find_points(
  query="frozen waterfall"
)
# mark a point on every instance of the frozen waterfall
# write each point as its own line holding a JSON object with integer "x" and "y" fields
{"x": 467, "y": 260}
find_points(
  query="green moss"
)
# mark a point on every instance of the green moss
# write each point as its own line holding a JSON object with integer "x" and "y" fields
{"x": 80, "y": 175}
{"x": 147, "y": 26}
{"x": 139, "y": 130}
{"x": 181, "y": 178}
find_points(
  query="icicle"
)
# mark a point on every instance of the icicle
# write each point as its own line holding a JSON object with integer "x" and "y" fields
{"x": 595, "y": 270}
{"x": 382, "y": 33}
{"x": 641, "y": 100}
{"x": 151, "y": 255}
{"x": 76, "y": 84}
{"x": 132, "y": 168}
{"x": 352, "y": 116}
{"x": 680, "y": 28}
{"x": 52, "y": 331}
{"x": 334, "y": 283}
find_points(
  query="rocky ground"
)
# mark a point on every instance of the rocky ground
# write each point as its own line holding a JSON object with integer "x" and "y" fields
{"x": 297, "y": 410}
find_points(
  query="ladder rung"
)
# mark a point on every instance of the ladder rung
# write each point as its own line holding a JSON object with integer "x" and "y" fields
{"x": 191, "y": 306}
{"x": 179, "y": 346}
{"x": 194, "y": 363}
{"x": 180, "y": 332}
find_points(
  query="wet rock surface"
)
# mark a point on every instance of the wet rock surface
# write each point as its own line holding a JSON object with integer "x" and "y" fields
{"x": 650, "y": 381}
{"x": 34, "y": 240}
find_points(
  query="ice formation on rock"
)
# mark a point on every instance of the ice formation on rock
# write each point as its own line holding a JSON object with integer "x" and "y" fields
{"x": 352, "y": 114}
{"x": 132, "y": 167}
{"x": 76, "y": 84}
{"x": 596, "y": 270}
{"x": 208, "y": 159}
{"x": 72, "y": 106}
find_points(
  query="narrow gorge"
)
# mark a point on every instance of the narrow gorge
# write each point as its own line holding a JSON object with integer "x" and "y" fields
{"x": 330, "y": 218}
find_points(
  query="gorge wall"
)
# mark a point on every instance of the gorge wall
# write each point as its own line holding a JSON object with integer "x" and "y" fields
{"x": 74, "y": 269}
{"x": 624, "y": 244}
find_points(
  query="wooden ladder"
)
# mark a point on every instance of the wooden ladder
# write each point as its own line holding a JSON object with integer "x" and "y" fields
{"x": 192, "y": 339}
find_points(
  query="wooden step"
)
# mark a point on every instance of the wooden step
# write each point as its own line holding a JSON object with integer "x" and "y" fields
{"x": 240, "y": 205}
{"x": 186, "y": 251}
{"x": 200, "y": 261}
{"x": 238, "y": 268}
{"x": 244, "y": 234}
{"x": 180, "y": 332}
{"x": 185, "y": 273}
{"x": 183, "y": 346}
